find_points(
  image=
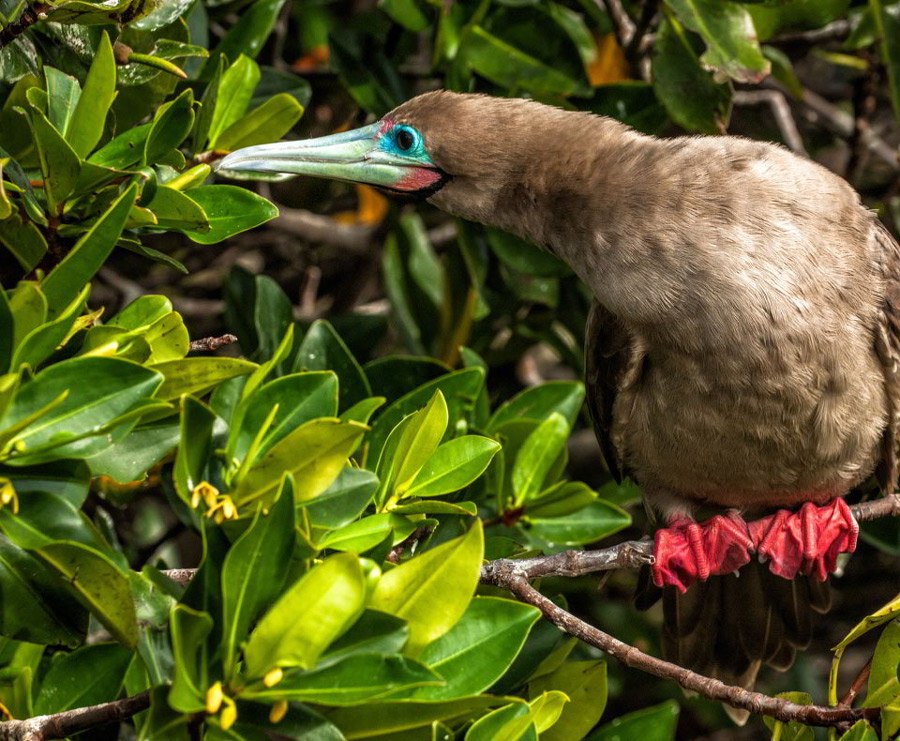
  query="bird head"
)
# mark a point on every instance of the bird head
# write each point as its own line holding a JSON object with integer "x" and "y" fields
{"x": 457, "y": 150}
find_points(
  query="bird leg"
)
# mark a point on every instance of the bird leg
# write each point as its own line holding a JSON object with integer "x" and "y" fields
{"x": 687, "y": 551}
{"x": 805, "y": 542}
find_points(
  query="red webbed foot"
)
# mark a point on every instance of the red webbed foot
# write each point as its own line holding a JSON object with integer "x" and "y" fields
{"x": 806, "y": 542}
{"x": 687, "y": 551}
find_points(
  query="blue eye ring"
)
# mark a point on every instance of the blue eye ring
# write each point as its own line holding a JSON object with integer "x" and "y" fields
{"x": 406, "y": 138}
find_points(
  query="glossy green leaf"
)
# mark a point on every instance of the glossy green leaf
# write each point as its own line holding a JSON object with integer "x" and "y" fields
{"x": 130, "y": 459}
{"x": 24, "y": 240}
{"x": 591, "y": 523}
{"x": 196, "y": 425}
{"x": 36, "y": 607}
{"x": 89, "y": 676}
{"x": 887, "y": 21}
{"x": 368, "y": 532}
{"x": 689, "y": 93}
{"x": 67, "y": 279}
{"x": 730, "y": 37}
{"x": 524, "y": 256}
{"x": 509, "y": 723}
{"x": 460, "y": 389}
{"x": 453, "y": 466}
{"x": 230, "y": 210}
{"x": 247, "y": 36}
{"x": 59, "y": 163}
{"x": 198, "y": 375}
{"x": 255, "y": 569}
{"x": 536, "y": 457}
{"x": 420, "y": 436}
{"x": 374, "y": 633}
{"x": 323, "y": 349}
{"x": 315, "y": 453}
{"x": 267, "y": 123}
{"x": 63, "y": 92}
{"x": 171, "y": 125}
{"x": 124, "y": 150}
{"x": 343, "y": 501}
{"x": 174, "y": 210}
{"x": 320, "y": 606}
{"x": 432, "y": 591}
{"x": 793, "y": 731}
{"x": 478, "y": 649}
{"x": 434, "y": 507}
{"x": 189, "y": 629}
{"x": 884, "y": 684}
{"x": 233, "y": 96}
{"x": 354, "y": 680}
{"x": 408, "y": 13}
{"x": 42, "y": 341}
{"x": 584, "y": 683}
{"x": 860, "y": 731}
{"x": 656, "y": 723}
{"x": 89, "y": 117}
{"x": 538, "y": 402}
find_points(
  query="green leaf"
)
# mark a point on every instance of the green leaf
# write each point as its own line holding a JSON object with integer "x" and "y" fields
{"x": 584, "y": 683}
{"x": 375, "y": 632}
{"x": 884, "y": 685}
{"x": 42, "y": 341}
{"x": 689, "y": 93}
{"x": 536, "y": 457}
{"x": 368, "y": 532}
{"x": 96, "y": 392}
{"x": 315, "y": 453}
{"x": 731, "y": 43}
{"x": 388, "y": 719}
{"x": 59, "y": 163}
{"x": 344, "y": 501}
{"x": 233, "y": 96}
{"x": 171, "y": 125}
{"x": 130, "y": 459}
{"x": 432, "y": 507}
{"x": 453, "y": 466}
{"x": 538, "y": 402}
{"x": 24, "y": 240}
{"x": 248, "y": 35}
{"x": 408, "y": 13}
{"x": 509, "y": 723}
{"x": 267, "y": 123}
{"x": 63, "y": 92}
{"x": 196, "y": 425}
{"x": 478, "y": 649}
{"x": 594, "y": 522}
{"x": 432, "y": 591}
{"x": 507, "y": 66}
{"x": 460, "y": 389}
{"x": 524, "y": 256}
{"x": 323, "y": 349}
{"x": 353, "y": 680}
{"x": 174, "y": 210}
{"x": 198, "y": 375}
{"x": 793, "y": 731}
{"x": 99, "y": 584}
{"x": 320, "y": 606}
{"x": 300, "y": 397}
{"x": 887, "y": 21}
{"x": 255, "y": 569}
{"x": 652, "y": 724}
{"x": 420, "y": 437}
{"x": 124, "y": 150}
{"x": 67, "y": 279}
{"x": 99, "y": 90}
{"x": 189, "y": 629}
{"x": 89, "y": 676}
{"x": 860, "y": 731}
{"x": 35, "y": 607}
{"x": 230, "y": 210}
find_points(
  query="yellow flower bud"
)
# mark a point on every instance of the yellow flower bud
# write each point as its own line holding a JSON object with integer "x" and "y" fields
{"x": 195, "y": 499}
{"x": 278, "y": 711}
{"x": 228, "y": 509}
{"x": 228, "y": 716}
{"x": 214, "y": 698}
{"x": 220, "y": 517}
{"x": 273, "y": 677}
{"x": 20, "y": 446}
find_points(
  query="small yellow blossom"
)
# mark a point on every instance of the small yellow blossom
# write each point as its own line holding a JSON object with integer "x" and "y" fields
{"x": 273, "y": 677}
{"x": 214, "y": 698}
{"x": 205, "y": 491}
{"x": 278, "y": 711}
{"x": 229, "y": 714}
{"x": 8, "y": 494}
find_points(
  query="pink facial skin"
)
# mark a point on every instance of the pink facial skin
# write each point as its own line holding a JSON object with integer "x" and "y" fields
{"x": 418, "y": 178}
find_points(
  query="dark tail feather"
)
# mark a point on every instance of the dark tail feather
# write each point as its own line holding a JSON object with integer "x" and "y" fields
{"x": 729, "y": 626}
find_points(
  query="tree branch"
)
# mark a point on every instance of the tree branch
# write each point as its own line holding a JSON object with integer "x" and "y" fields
{"x": 70, "y": 722}
{"x": 210, "y": 344}
{"x": 31, "y": 14}
{"x": 513, "y": 575}
{"x": 755, "y": 702}
{"x": 781, "y": 112}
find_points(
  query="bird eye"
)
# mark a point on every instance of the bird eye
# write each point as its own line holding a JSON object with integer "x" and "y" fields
{"x": 405, "y": 139}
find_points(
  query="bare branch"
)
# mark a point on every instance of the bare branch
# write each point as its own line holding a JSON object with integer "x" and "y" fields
{"x": 857, "y": 685}
{"x": 737, "y": 697}
{"x": 31, "y": 14}
{"x": 835, "y": 31}
{"x": 623, "y": 26}
{"x": 317, "y": 228}
{"x": 210, "y": 344}
{"x": 70, "y": 722}
{"x": 781, "y": 112}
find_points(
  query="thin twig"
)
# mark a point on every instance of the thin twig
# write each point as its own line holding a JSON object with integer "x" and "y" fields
{"x": 636, "y": 48}
{"x": 314, "y": 227}
{"x": 755, "y": 702}
{"x": 857, "y": 685}
{"x": 835, "y": 31}
{"x": 781, "y": 112}
{"x": 513, "y": 575}
{"x": 210, "y": 344}
{"x": 623, "y": 26}
{"x": 70, "y": 722}
{"x": 31, "y": 14}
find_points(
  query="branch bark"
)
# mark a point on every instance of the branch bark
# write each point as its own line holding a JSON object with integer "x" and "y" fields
{"x": 210, "y": 344}
{"x": 513, "y": 575}
{"x": 31, "y": 14}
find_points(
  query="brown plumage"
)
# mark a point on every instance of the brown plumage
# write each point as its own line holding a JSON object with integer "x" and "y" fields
{"x": 743, "y": 348}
